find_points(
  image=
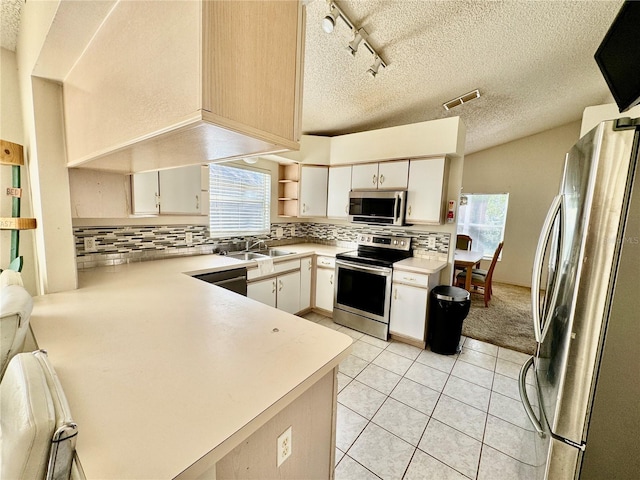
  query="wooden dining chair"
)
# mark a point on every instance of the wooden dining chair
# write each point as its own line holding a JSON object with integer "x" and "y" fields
{"x": 481, "y": 279}
{"x": 463, "y": 242}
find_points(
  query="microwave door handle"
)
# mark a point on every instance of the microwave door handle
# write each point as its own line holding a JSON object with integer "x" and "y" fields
{"x": 396, "y": 210}
{"x": 547, "y": 229}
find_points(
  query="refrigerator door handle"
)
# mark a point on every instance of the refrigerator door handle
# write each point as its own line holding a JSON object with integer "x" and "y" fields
{"x": 522, "y": 385}
{"x": 547, "y": 229}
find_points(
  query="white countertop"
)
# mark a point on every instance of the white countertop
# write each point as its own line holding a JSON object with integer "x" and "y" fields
{"x": 162, "y": 370}
{"x": 420, "y": 265}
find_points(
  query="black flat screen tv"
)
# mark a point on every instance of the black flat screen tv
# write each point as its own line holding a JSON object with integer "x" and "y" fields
{"x": 619, "y": 56}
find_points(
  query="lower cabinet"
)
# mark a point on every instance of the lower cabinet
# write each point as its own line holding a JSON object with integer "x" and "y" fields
{"x": 282, "y": 292}
{"x": 409, "y": 305}
{"x": 324, "y": 283}
{"x": 306, "y": 271}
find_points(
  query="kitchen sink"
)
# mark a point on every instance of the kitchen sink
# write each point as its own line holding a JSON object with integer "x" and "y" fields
{"x": 278, "y": 253}
{"x": 247, "y": 255}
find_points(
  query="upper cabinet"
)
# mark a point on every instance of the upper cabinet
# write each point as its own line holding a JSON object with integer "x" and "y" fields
{"x": 176, "y": 191}
{"x": 313, "y": 191}
{"x": 338, "y": 196}
{"x": 385, "y": 175}
{"x": 426, "y": 195}
{"x": 165, "y": 84}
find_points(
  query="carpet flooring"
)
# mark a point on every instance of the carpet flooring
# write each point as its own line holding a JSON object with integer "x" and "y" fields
{"x": 506, "y": 322}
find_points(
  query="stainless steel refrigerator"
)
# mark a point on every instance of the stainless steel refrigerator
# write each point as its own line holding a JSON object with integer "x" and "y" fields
{"x": 586, "y": 310}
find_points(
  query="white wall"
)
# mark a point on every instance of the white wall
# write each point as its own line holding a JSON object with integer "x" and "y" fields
{"x": 11, "y": 129}
{"x": 41, "y": 103}
{"x": 529, "y": 169}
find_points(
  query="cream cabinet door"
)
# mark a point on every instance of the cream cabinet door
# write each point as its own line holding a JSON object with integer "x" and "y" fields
{"x": 408, "y": 311}
{"x": 306, "y": 269}
{"x": 393, "y": 175}
{"x": 288, "y": 296}
{"x": 324, "y": 288}
{"x": 263, "y": 291}
{"x": 145, "y": 193}
{"x": 364, "y": 176}
{"x": 313, "y": 191}
{"x": 180, "y": 190}
{"x": 339, "y": 188}
{"x": 426, "y": 192}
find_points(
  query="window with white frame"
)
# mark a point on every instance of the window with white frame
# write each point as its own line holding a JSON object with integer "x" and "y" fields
{"x": 240, "y": 201}
{"x": 483, "y": 216}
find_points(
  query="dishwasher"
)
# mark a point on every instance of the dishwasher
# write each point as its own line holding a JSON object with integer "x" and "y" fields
{"x": 234, "y": 279}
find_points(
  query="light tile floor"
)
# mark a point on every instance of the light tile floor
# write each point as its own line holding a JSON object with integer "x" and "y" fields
{"x": 408, "y": 413}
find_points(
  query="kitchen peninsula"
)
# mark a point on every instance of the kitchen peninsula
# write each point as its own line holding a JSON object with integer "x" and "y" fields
{"x": 171, "y": 377}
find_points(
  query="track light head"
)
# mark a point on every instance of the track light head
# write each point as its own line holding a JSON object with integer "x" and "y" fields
{"x": 358, "y": 36}
{"x": 373, "y": 69}
{"x": 329, "y": 21}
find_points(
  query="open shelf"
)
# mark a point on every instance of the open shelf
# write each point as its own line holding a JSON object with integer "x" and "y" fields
{"x": 288, "y": 190}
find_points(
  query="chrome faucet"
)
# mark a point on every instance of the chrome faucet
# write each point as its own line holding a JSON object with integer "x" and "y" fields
{"x": 249, "y": 245}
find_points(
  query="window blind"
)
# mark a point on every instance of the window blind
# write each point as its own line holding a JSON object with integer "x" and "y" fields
{"x": 240, "y": 201}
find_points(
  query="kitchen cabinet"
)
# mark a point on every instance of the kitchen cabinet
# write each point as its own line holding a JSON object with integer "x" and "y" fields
{"x": 176, "y": 191}
{"x": 384, "y": 175}
{"x": 325, "y": 271}
{"x": 288, "y": 190}
{"x": 338, "y": 192}
{"x": 306, "y": 272}
{"x": 426, "y": 195}
{"x": 409, "y": 303}
{"x": 313, "y": 191}
{"x": 165, "y": 84}
{"x": 281, "y": 289}
{"x": 281, "y": 292}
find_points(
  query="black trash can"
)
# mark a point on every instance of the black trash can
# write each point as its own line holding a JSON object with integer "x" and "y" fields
{"x": 448, "y": 307}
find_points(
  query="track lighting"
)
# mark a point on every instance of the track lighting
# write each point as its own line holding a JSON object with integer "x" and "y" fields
{"x": 359, "y": 36}
{"x": 329, "y": 21}
{"x": 373, "y": 69}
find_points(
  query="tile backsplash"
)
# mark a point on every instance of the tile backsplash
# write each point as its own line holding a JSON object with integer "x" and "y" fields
{"x": 126, "y": 244}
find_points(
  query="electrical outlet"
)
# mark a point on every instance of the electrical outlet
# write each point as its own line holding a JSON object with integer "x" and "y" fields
{"x": 293, "y": 231}
{"x": 431, "y": 242}
{"x": 279, "y": 232}
{"x": 90, "y": 244}
{"x": 188, "y": 238}
{"x": 284, "y": 446}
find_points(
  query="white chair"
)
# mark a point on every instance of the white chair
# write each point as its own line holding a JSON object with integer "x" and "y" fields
{"x": 15, "y": 311}
{"x": 38, "y": 434}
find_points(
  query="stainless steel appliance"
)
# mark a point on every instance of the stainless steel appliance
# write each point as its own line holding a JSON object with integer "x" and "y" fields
{"x": 587, "y": 324}
{"x": 234, "y": 279}
{"x": 383, "y": 207}
{"x": 362, "y": 291}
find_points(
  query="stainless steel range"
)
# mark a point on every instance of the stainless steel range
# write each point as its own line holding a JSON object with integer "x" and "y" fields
{"x": 362, "y": 291}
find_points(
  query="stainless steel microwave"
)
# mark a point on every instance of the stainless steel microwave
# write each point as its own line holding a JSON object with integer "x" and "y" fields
{"x": 380, "y": 207}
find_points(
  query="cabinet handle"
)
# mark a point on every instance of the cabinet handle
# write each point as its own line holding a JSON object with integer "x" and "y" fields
{"x": 409, "y": 279}
{"x": 309, "y": 267}
{"x": 331, "y": 279}
{"x": 409, "y": 210}
{"x": 395, "y": 293}
{"x": 304, "y": 207}
{"x": 157, "y": 200}
{"x": 273, "y": 284}
{"x": 280, "y": 285}
{"x": 381, "y": 179}
{"x": 375, "y": 178}
{"x": 197, "y": 202}
{"x": 346, "y": 209}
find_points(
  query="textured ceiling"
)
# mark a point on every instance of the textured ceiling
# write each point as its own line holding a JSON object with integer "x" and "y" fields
{"x": 532, "y": 61}
{"x": 10, "y": 23}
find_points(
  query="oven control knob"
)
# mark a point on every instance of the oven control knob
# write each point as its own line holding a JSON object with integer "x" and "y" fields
{"x": 402, "y": 243}
{"x": 395, "y": 242}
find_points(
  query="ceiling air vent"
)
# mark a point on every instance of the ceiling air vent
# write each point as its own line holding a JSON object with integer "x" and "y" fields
{"x": 467, "y": 97}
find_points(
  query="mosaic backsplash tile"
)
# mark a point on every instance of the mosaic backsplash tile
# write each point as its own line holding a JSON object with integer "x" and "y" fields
{"x": 118, "y": 245}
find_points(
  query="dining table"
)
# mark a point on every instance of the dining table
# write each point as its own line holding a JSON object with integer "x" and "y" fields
{"x": 467, "y": 260}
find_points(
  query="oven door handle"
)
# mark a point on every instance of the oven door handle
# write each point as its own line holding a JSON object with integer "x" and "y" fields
{"x": 362, "y": 268}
